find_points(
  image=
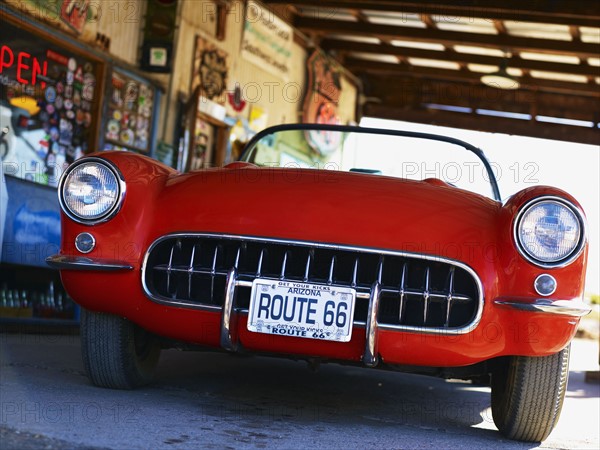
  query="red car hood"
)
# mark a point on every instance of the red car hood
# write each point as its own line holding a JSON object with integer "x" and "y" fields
{"x": 327, "y": 206}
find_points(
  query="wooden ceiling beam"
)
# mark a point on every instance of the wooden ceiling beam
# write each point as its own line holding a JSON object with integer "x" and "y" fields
{"x": 402, "y": 93}
{"x": 347, "y": 46}
{"x": 575, "y": 33}
{"x": 358, "y": 15}
{"x": 514, "y": 43}
{"x": 449, "y": 92}
{"x": 519, "y": 127}
{"x": 385, "y": 42}
{"x": 580, "y": 13}
{"x": 428, "y": 21}
{"x": 499, "y": 26}
{"x": 358, "y": 66}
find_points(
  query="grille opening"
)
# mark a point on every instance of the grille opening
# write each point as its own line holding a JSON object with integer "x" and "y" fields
{"x": 361, "y": 309}
{"x": 367, "y": 269}
{"x": 389, "y": 309}
{"x": 192, "y": 270}
{"x": 461, "y": 312}
{"x": 242, "y": 297}
{"x": 436, "y": 313}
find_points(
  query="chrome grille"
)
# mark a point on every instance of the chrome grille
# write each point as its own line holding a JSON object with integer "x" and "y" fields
{"x": 415, "y": 291}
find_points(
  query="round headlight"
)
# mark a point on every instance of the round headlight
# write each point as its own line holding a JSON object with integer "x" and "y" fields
{"x": 549, "y": 232}
{"x": 91, "y": 191}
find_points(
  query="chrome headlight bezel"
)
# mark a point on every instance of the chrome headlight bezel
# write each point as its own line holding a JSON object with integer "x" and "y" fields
{"x": 110, "y": 212}
{"x": 564, "y": 261}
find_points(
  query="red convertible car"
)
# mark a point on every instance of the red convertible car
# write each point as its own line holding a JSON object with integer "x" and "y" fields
{"x": 338, "y": 244}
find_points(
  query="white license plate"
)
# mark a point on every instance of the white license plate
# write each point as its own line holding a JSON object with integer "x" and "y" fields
{"x": 313, "y": 311}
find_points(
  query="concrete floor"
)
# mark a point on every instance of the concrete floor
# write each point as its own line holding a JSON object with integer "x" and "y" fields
{"x": 215, "y": 400}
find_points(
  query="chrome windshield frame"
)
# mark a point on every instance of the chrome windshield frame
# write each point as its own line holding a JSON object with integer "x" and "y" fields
{"x": 246, "y": 154}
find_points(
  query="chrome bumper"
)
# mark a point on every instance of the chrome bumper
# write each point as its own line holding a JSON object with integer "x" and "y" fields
{"x": 573, "y": 308}
{"x": 229, "y": 317}
{"x": 62, "y": 262}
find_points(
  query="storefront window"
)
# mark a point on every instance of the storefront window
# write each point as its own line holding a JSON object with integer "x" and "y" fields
{"x": 48, "y": 105}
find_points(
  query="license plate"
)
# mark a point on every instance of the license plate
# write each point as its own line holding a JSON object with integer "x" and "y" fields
{"x": 306, "y": 310}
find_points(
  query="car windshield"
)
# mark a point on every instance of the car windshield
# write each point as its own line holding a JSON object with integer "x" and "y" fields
{"x": 409, "y": 155}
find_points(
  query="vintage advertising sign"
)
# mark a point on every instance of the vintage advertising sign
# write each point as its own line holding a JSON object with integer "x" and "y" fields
{"x": 74, "y": 13}
{"x": 267, "y": 41}
{"x": 321, "y": 102}
{"x": 210, "y": 70}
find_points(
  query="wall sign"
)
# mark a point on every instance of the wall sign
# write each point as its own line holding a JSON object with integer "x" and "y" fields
{"x": 267, "y": 41}
{"x": 74, "y": 13}
{"x": 210, "y": 71}
{"x": 159, "y": 31}
{"x": 321, "y": 102}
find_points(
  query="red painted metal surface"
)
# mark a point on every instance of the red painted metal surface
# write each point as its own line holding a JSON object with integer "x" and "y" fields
{"x": 331, "y": 207}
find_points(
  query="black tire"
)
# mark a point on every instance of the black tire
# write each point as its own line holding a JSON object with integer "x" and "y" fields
{"x": 116, "y": 353}
{"x": 528, "y": 394}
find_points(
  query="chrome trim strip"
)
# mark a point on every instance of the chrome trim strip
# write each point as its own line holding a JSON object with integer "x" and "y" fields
{"x": 64, "y": 262}
{"x": 228, "y": 340}
{"x": 112, "y": 211}
{"x": 439, "y": 330}
{"x": 371, "y": 356}
{"x": 189, "y": 305}
{"x": 573, "y": 308}
{"x": 582, "y": 238}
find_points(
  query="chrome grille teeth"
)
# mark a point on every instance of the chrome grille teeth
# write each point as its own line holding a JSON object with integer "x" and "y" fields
{"x": 260, "y": 263}
{"x": 354, "y": 273}
{"x": 414, "y": 292}
{"x": 402, "y": 285}
{"x": 283, "y": 266}
{"x": 331, "y": 268}
{"x": 308, "y": 261}
{"x": 449, "y": 298}
{"x": 191, "y": 271}
{"x": 426, "y": 296}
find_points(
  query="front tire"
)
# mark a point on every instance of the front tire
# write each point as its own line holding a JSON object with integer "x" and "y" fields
{"x": 117, "y": 353}
{"x": 528, "y": 394}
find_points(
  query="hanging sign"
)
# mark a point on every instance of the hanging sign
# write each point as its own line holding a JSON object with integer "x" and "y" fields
{"x": 267, "y": 41}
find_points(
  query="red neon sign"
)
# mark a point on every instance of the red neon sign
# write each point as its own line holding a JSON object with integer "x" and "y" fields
{"x": 28, "y": 67}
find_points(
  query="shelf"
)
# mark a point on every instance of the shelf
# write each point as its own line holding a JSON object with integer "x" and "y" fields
{"x": 38, "y": 321}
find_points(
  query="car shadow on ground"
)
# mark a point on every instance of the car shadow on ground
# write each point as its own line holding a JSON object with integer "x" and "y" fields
{"x": 262, "y": 392}
{"x": 219, "y": 400}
